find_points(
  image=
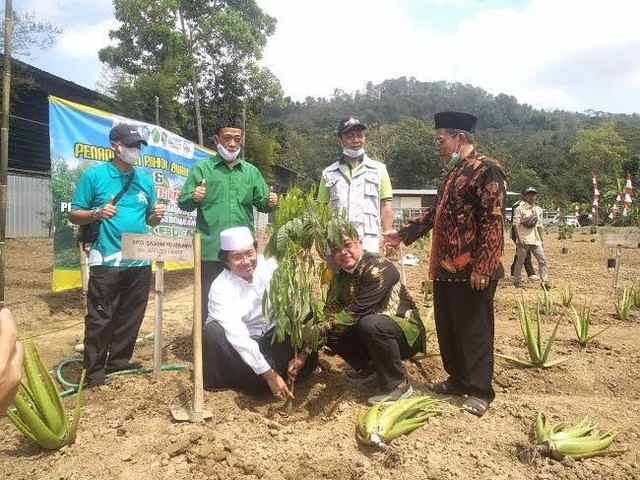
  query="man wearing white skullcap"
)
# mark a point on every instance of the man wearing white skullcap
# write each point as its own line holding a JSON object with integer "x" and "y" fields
{"x": 238, "y": 352}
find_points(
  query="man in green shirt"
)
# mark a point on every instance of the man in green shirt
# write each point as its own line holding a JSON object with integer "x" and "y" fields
{"x": 223, "y": 190}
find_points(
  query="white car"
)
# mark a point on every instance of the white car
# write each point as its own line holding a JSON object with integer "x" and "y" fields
{"x": 550, "y": 219}
{"x": 570, "y": 220}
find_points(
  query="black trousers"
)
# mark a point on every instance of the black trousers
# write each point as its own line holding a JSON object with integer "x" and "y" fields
{"x": 223, "y": 366}
{"x": 375, "y": 339}
{"x": 465, "y": 326}
{"x": 528, "y": 264}
{"x": 209, "y": 271}
{"x": 116, "y": 302}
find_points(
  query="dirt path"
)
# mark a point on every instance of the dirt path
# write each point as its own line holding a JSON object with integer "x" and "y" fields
{"x": 126, "y": 431}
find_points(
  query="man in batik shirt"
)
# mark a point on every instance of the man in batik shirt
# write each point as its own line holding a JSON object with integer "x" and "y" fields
{"x": 371, "y": 321}
{"x": 466, "y": 259}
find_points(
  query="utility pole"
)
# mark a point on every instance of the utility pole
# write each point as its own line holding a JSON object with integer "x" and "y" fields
{"x": 4, "y": 138}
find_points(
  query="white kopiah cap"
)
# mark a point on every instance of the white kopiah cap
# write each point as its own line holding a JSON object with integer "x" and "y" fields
{"x": 235, "y": 238}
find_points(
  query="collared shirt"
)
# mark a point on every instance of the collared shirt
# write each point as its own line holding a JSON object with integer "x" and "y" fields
{"x": 231, "y": 195}
{"x": 96, "y": 187}
{"x": 236, "y": 305}
{"x": 467, "y": 221}
{"x": 358, "y": 191}
{"x": 530, "y": 236}
{"x": 372, "y": 287}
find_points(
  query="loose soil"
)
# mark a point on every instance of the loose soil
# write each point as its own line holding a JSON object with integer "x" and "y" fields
{"x": 127, "y": 432}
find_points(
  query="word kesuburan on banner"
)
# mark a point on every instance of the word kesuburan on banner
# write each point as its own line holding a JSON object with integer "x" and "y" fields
{"x": 79, "y": 137}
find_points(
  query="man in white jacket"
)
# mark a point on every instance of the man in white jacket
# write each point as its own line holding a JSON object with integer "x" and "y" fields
{"x": 237, "y": 349}
{"x": 359, "y": 186}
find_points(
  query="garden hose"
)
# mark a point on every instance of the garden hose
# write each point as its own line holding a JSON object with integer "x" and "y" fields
{"x": 73, "y": 387}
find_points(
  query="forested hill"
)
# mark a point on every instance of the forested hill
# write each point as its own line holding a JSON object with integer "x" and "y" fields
{"x": 554, "y": 150}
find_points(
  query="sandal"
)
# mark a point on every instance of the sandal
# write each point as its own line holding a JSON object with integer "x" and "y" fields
{"x": 476, "y": 406}
{"x": 446, "y": 387}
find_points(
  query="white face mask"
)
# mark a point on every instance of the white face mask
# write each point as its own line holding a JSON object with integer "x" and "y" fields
{"x": 352, "y": 153}
{"x": 226, "y": 154}
{"x": 129, "y": 155}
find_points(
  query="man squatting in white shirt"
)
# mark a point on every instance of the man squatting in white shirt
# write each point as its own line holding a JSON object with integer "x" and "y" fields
{"x": 237, "y": 349}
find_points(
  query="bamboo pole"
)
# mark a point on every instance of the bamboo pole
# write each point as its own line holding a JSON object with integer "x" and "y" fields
{"x": 4, "y": 140}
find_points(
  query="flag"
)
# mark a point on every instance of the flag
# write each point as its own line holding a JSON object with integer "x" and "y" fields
{"x": 614, "y": 208}
{"x": 628, "y": 193}
{"x": 596, "y": 194}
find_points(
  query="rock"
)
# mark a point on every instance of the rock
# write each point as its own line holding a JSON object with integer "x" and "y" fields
{"x": 231, "y": 459}
{"x": 271, "y": 425}
{"x": 205, "y": 450}
{"x": 179, "y": 447}
{"x": 219, "y": 456}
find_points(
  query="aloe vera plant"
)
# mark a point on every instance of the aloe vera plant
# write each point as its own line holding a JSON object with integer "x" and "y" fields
{"x": 635, "y": 294}
{"x": 567, "y": 296}
{"x": 582, "y": 440}
{"x": 623, "y": 304}
{"x": 582, "y": 322}
{"x": 546, "y": 306}
{"x": 380, "y": 424}
{"x": 39, "y": 412}
{"x": 538, "y": 355}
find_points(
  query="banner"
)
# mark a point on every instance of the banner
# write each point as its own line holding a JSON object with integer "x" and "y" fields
{"x": 79, "y": 139}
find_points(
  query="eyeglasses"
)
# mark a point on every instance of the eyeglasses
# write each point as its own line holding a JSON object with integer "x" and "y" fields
{"x": 240, "y": 256}
{"x": 440, "y": 140}
{"x": 348, "y": 245}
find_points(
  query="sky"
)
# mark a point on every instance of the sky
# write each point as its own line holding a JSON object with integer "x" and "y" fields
{"x": 574, "y": 55}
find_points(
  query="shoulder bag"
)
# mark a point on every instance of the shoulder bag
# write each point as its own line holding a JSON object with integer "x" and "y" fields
{"x": 89, "y": 232}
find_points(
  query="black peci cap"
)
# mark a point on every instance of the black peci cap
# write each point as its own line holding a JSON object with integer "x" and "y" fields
{"x": 456, "y": 121}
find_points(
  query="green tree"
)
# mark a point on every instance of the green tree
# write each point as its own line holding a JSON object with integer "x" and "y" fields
{"x": 406, "y": 147}
{"x": 205, "y": 45}
{"x": 600, "y": 150}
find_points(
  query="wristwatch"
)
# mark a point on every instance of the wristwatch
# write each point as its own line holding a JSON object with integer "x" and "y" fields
{"x": 95, "y": 212}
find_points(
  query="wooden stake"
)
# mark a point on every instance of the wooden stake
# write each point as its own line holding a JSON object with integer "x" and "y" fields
{"x": 84, "y": 273}
{"x": 198, "y": 385}
{"x": 157, "y": 324}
